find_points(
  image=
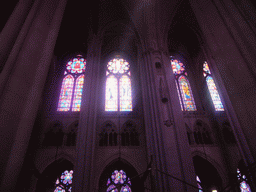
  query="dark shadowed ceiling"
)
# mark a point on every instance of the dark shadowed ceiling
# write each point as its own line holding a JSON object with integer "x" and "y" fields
{"x": 83, "y": 17}
{"x": 184, "y": 31}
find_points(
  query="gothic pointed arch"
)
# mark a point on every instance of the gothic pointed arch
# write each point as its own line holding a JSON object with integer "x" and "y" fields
{"x": 118, "y": 94}
{"x": 186, "y": 98}
{"x": 72, "y": 134}
{"x": 242, "y": 177}
{"x": 119, "y": 175}
{"x": 72, "y": 85}
{"x": 56, "y": 176}
{"x": 129, "y": 134}
{"x": 54, "y": 135}
{"x": 202, "y": 133}
{"x": 207, "y": 174}
{"x": 108, "y": 134}
{"x": 189, "y": 134}
{"x": 212, "y": 88}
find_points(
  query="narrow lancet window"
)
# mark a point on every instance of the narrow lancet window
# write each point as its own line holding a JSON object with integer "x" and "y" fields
{"x": 212, "y": 88}
{"x": 111, "y": 94}
{"x": 183, "y": 86}
{"x": 66, "y": 93}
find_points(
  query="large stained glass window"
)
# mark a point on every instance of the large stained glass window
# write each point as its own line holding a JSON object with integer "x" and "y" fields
{"x": 72, "y": 85}
{"x": 186, "y": 98}
{"x": 119, "y": 182}
{"x": 118, "y": 95}
{"x": 244, "y": 186}
{"x": 212, "y": 88}
{"x": 64, "y": 182}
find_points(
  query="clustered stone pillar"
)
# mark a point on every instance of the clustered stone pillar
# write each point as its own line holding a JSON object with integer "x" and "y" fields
{"x": 86, "y": 137}
{"x": 170, "y": 147}
{"x": 12, "y": 29}
{"x": 23, "y": 88}
{"x": 231, "y": 54}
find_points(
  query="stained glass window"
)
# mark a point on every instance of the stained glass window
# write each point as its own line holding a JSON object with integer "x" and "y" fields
{"x": 64, "y": 183}
{"x": 112, "y": 188}
{"x": 186, "y": 98}
{"x": 244, "y": 186}
{"x": 72, "y": 85}
{"x": 66, "y": 93}
{"x": 78, "y": 93}
{"x": 199, "y": 184}
{"x": 125, "y": 93}
{"x": 111, "y": 94}
{"x": 177, "y": 67}
{"x": 126, "y": 188}
{"x": 118, "y": 95}
{"x": 212, "y": 88}
{"x": 186, "y": 93}
{"x": 119, "y": 178}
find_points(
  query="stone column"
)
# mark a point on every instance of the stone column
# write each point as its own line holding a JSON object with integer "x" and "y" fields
{"x": 12, "y": 29}
{"x": 152, "y": 121}
{"x": 86, "y": 137}
{"x": 176, "y": 134}
{"x": 165, "y": 127}
{"x": 230, "y": 45}
{"x": 8, "y": 60}
{"x": 22, "y": 92}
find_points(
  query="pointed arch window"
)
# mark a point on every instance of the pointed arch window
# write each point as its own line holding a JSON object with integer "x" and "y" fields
{"x": 119, "y": 182}
{"x": 118, "y": 95}
{"x": 244, "y": 186}
{"x": 64, "y": 182}
{"x": 212, "y": 88}
{"x": 198, "y": 181}
{"x": 72, "y": 85}
{"x": 186, "y": 98}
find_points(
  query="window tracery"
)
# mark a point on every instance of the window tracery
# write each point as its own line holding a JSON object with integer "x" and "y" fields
{"x": 64, "y": 182}
{"x": 186, "y": 98}
{"x": 244, "y": 186}
{"x": 201, "y": 133}
{"x": 118, "y": 95}
{"x": 72, "y": 85}
{"x": 119, "y": 182}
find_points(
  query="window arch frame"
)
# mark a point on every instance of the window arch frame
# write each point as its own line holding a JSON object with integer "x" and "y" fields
{"x": 118, "y": 180}
{"x": 178, "y": 73}
{"x": 76, "y": 98}
{"x": 207, "y": 74}
{"x": 118, "y": 76}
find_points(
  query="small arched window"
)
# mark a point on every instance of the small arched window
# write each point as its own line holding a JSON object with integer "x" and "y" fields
{"x": 118, "y": 95}
{"x": 72, "y": 85}
{"x": 64, "y": 182}
{"x": 119, "y": 182}
{"x": 212, "y": 88}
{"x": 198, "y": 181}
{"x": 186, "y": 98}
{"x": 244, "y": 186}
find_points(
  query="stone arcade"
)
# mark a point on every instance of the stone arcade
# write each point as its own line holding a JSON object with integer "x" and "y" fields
{"x": 142, "y": 95}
